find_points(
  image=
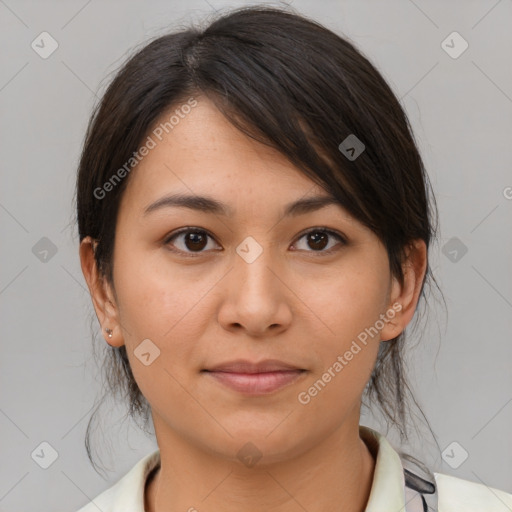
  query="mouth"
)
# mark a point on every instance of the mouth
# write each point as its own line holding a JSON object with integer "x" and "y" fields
{"x": 255, "y": 378}
{"x": 246, "y": 366}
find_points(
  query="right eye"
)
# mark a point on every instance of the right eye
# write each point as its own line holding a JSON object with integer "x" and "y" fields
{"x": 193, "y": 240}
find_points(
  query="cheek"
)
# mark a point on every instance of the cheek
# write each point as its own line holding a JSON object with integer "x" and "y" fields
{"x": 166, "y": 308}
{"x": 347, "y": 308}
{"x": 346, "y": 349}
{"x": 349, "y": 300}
{"x": 161, "y": 304}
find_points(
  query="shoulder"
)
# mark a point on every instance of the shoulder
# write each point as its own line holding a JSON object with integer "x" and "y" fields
{"x": 459, "y": 495}
{"x": 105, "y": 501}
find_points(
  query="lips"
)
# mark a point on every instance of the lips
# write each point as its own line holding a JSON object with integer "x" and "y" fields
{"x": 245, "y": 366}
{"x": 252, "y": 378}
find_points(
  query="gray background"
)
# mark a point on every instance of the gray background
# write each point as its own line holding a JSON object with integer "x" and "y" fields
{"x": 460, "y": 109}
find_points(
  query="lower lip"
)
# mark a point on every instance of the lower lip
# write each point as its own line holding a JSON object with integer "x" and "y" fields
{"x": 256, "y": 383}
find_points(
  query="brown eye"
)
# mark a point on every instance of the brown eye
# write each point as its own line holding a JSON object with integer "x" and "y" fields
{"x": 318, "y": 239}
{"x": 194, "y": 241}
{"x": 190, "y": 240}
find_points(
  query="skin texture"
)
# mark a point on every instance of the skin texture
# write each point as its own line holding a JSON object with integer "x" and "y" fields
{"x": 291, "y": 304}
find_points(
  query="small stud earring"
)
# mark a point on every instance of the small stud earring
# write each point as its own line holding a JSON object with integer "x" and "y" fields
{"x": 109, "y": 332}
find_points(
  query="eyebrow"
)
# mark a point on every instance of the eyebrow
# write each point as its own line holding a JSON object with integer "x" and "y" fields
{"x": 207, "y": 204}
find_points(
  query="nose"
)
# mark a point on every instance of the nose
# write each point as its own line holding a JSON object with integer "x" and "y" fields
{"x": 256, "y": 298}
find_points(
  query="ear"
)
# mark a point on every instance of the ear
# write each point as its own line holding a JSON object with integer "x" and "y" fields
{"x": 101, "y": 292}
{"x": 404, "y": 298}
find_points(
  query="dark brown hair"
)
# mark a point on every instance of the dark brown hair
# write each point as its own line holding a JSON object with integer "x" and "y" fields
{"x": 296, "y": 86}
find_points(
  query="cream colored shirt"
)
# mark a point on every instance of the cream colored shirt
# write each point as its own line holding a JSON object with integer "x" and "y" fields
{"x": 393, "y": 488}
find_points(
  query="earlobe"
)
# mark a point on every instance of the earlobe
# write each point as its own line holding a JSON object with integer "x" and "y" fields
{"x": 101, "y": 294}
{"x": 392, "y": 323}
{"x": 406, "y": 294}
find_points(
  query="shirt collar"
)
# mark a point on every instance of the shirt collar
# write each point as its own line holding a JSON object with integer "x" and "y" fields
{"x": 128, "y": 492}
{"x": 387, "y": 486}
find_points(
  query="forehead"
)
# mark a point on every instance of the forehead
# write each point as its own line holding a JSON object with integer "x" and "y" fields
{"x": 205, "y": 154}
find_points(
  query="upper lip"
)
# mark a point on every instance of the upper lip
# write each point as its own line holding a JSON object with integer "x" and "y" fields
{"x": 245, "y": 366}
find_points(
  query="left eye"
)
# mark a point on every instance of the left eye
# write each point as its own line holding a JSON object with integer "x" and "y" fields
{"x": 318, "y": 239}
{"x": 195, "y": 240}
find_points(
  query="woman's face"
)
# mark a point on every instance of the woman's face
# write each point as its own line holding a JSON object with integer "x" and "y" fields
{"x": 248, "y": 285}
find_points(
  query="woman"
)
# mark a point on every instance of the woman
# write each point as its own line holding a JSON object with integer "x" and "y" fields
{"x": 254, "y": 219}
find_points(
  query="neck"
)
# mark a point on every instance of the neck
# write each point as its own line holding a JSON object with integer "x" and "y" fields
{"x": 335, "y": 475}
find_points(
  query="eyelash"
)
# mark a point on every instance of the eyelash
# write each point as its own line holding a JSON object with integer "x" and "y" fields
{"x": 330, "y": 232}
